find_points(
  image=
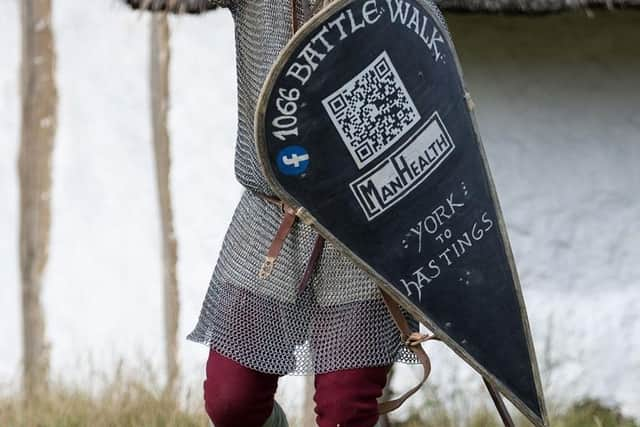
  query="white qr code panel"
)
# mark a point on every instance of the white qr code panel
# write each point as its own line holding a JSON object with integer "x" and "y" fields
{"x": 372, "y": 111}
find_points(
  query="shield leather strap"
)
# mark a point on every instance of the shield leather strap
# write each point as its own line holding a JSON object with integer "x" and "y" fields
{"x": 414, "y": 341}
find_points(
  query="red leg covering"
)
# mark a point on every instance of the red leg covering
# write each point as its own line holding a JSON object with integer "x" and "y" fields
{"x": 236, "y": 396}
{"x": 349, "y": 398}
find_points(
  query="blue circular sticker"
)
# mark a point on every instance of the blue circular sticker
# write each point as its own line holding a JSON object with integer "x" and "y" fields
{"x": 293, "y": 160}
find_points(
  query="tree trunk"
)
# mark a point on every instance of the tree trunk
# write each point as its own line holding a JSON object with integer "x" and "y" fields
{"x": 159, "y": 62}
{"x": 39, "y": 100}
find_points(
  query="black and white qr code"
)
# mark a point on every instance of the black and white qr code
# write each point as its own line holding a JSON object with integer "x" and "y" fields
{"x": 372, "y": 111}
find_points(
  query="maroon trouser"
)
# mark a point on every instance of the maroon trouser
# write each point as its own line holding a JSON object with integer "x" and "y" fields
{"x": 236, "y": 396}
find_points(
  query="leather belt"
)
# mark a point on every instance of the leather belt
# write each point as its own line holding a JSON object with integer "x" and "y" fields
{"x": 288, "y": 220}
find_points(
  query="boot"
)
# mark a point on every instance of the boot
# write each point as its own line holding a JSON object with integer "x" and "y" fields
{"x": 276, "y": 419}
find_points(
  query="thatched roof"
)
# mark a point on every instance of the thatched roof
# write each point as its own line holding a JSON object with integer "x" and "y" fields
{"x": 538, "y": 6}
{"x": 512, "y": 6}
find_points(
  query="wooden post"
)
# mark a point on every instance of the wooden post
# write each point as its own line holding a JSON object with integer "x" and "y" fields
{"x": 38, "y": 127}
{"x": 159, "y": 68}
{"x": 499, "y": 403}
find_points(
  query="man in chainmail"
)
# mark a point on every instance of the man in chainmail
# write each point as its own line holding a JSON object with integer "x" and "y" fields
{"x": 260, "y": 328}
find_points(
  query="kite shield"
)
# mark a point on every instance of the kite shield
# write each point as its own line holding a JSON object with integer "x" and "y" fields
{"x": 364, "y": 126}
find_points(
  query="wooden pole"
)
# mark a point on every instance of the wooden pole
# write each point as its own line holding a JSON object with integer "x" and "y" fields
{"x": 500, "y": 406}
{"x": 38, "y": 127}
{"x": 159, "y": 67}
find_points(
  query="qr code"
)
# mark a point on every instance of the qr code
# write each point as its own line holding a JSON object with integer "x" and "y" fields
{"x": 372, "y": 110}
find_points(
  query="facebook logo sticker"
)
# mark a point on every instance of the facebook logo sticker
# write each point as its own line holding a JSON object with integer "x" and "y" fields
{"x": 293, "y": 160}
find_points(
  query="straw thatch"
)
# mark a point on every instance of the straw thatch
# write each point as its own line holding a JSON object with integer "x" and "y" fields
{"x": 508, "y": 6}
{"x": 537, "y": 6}
{"x": 174, "y": 6}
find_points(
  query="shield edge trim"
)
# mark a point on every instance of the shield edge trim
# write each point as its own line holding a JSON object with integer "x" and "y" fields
{"x": 307, "y": 218}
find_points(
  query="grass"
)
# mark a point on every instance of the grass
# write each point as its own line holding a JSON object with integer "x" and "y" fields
{"x": 127, "y": 403}
{"x": 123, "y": 399}
{"x": 586, "y": 413}
{"x": 131, "y": 404}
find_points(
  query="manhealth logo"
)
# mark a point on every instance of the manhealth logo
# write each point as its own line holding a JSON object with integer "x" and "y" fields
{"x": 396, "y": 176}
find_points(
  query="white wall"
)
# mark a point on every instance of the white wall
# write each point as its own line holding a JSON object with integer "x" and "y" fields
{"x": 558, "y": 106}
{"x": 10, "y": 346}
